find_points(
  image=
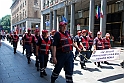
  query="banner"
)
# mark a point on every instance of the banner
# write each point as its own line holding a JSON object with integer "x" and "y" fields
{"x": 105, "y": 55}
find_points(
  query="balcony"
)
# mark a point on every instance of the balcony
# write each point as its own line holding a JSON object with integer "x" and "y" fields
{"x": 52, "y": 3}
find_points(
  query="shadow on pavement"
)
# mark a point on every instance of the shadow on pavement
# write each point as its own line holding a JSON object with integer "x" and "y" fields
{"x": 114, "y": 64}
{"x": 112, "y": 78}
{"x": 107, "y": 67}
{"x": 93, "y": 69}
{"x": 31, "y": 67}
{"x": 77, "y": 72}
{"x": 75, "y": 63}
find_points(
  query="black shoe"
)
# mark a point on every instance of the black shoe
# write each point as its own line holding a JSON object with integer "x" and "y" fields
{"x": 74, "y": 58}
{"x": 122, "y": 64}
{"x": 35, "y": 65}
{"x": 41, "y": 74}
{"x": 37, "y": 68}
{"x": 52, "y": 82}
{"x": 83, "y": 66}
{"x": 106, "y": 62}
{"x": 44, "y": 73}
{"x": 28, "y": 62}
{"x": 95, "y": 63}
{"x": 99, "y": 66}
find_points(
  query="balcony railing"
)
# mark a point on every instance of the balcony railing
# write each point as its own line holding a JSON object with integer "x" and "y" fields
{"x": 52, "y": 3}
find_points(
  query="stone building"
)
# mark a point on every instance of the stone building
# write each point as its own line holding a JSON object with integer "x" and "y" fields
{"x": 83, "y": 13}
{"x": 25, "y": 14}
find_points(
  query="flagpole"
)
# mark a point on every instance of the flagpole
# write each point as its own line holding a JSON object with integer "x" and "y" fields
{"x": 91, "y": 16}
{"x": 103, "y": 18}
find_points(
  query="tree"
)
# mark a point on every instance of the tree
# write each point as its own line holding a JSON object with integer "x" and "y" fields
{"x": 5, "y": 22}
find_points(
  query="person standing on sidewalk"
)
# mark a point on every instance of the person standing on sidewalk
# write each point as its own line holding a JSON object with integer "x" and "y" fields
{"x": 98, "y": 45}
{"x": 106, "y": 43}
{"x": 15, "y": 39}
{"x": 43, "y": 47}
{"x": 35, "y": 41}
{"x": 62, "y": 54}
{"x": 28, "y": 39}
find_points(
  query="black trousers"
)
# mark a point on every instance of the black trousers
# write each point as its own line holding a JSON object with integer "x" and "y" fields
{"x": 14, "y": 46}
{"x": 43, "y": 59}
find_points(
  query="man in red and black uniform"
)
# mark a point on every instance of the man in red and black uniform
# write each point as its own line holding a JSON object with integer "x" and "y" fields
{"x": 28, "y": 39}
{"x": 51, "y": 37}
{"x": 35, "y": 41}
{"x": 85, "y": 48}
{"x": 15, "y": 39}
{"x": 98, "y": 45}
{"x": 90, "y": 36}
{"x": 107, "y": 45}
{"x": 77, "y": 40}
{"x": 11, "y": 38}
{"x": 23, "y": 45}
{"x": 43, "y": 47}
{"x": 62, "y": 54}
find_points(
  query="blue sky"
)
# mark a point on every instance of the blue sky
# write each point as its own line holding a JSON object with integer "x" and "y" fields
{"x": 5, "y": 7}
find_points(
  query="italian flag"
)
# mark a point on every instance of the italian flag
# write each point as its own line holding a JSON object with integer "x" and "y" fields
{"x": 101, "y": 13}
{"x": 98, "y": 12}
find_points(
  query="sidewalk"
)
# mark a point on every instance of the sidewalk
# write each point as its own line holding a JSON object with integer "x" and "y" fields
{"x": 14, "y": 69}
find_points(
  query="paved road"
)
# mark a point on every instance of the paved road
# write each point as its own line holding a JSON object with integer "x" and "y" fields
{"x": 14, "y": 69}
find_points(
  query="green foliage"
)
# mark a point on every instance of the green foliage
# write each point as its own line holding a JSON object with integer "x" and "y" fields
{"x": 5, "y": 22}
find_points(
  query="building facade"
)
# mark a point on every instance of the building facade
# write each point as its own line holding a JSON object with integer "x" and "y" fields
{"x": 83, "y": 14}
{"x": 25, "y": 14}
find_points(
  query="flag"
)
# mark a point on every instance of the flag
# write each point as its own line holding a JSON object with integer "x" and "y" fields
{"x": 101, "y": 13}
{"x": 98, "y": 12}
{"x": 64, "y": 19}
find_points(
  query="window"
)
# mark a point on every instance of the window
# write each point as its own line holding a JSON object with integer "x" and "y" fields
{"x": 25, "y": 14}
{"x": 121, "y": 6}
{"x": 17, "y": 17}
{"x": 116, "y": 7}
{"x": 110, "y": 9}
{"x": 113, "y": 8}
{"x": 20, "y": 7}
{"x": 85, "y": 21}
{"x": 20, "y": 16}
{"x": 25, "y": 2}
{"x": 35, "y": 2}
